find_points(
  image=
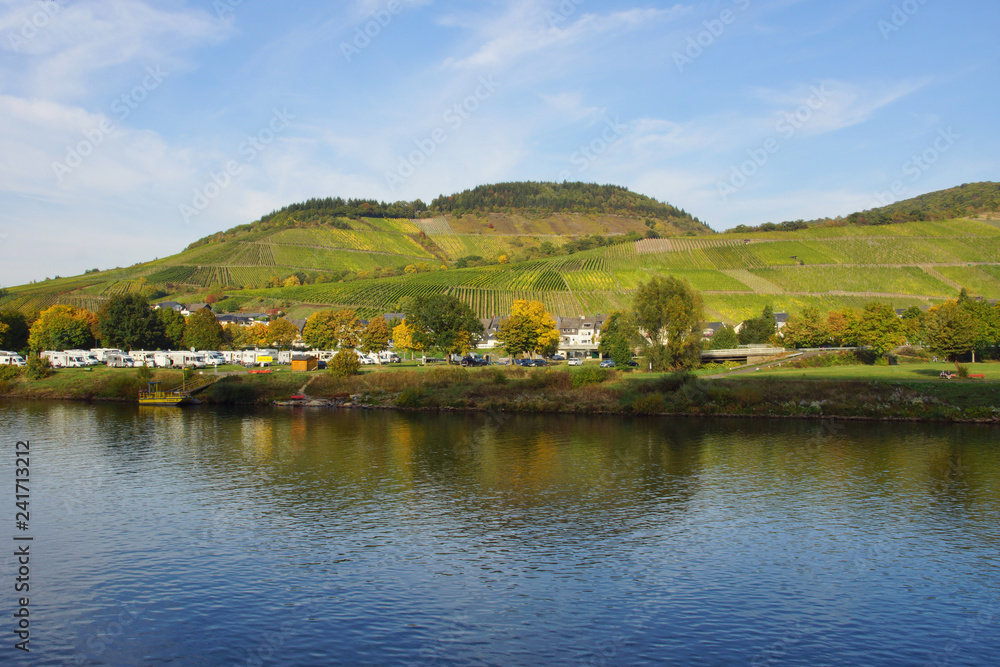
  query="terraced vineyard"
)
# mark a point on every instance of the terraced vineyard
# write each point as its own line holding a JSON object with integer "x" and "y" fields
{"x": 919, "y": 263}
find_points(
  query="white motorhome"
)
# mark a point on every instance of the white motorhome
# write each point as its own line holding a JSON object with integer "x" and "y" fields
{"x": 142, "y": 358}
{"x": 64, "y": 359}
{"x": 285, "y": 357}
{"x": 118, "y": 360}
{"x": 183, "y": 360}
{"x": 85, "y": 356}
{"x": 389, "y": 357}
{"x": 101, "y": 353}
{"x": 214, "y": 358}
{"x": 11, "y": 359}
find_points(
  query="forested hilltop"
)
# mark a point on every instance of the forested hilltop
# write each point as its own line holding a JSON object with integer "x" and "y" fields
{"x": 965, "y": 200}
{"x": 523, "y": 199}
{"x": 548, "y": 198}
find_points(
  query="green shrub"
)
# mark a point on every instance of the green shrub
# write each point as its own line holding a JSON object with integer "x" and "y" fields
{"x": 650, "y": 404}
{"x": 962, "y": 370}
{"x": 589, "y": 375}
{"x": 38, "y": 368}
{"x": 548, "y": 379}
{"x": 411, "y": 398}
{"x": 344, "y": 364}
{"x": 145, "y": 373}
{"x": 8, "y": 373}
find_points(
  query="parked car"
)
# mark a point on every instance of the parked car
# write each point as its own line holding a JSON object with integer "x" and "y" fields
{"x": 523, "y": 362}
{"x": 557, "y": 357}
{"x": 539, "y": 362}
{"x": 608, "y": 363}
{"x": 474, "y": 360}
{"x": 575, "y": 361}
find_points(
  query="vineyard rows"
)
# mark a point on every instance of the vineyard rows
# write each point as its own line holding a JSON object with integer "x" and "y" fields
{"x": 754, "y": 282}
{"x": 365, "y": 241}
{"x": 903, "y": 280}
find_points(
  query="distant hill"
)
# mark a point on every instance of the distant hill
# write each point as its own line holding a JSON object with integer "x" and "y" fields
{"x": 491, "y": 245}
{"x": 527, "y": 200}
{"x": 964, "y": 200}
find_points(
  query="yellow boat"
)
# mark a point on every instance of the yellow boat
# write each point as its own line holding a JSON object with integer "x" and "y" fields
{"x": 153, "y": 396}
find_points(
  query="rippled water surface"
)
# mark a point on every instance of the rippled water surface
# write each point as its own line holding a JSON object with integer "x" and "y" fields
{"x": 206, "y": 537}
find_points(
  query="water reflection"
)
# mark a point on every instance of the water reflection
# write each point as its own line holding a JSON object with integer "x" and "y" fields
{"x": 506, "y": 539}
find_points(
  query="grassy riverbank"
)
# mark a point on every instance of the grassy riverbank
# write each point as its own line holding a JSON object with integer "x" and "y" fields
{"x": 910, "y": 391}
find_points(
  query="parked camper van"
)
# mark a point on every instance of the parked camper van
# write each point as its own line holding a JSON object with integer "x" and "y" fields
{"x": 66, "y": 359}
{"x": 214, "y": 358}
{"x": 101, "y": 353}
{"x": 85, "y": 356}
{"x": 11, "y": 359}
{"x": 116, "y": 359}
{"x": 141, "y": 358}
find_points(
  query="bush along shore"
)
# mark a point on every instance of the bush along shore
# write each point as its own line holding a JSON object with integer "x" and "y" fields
{"x": 585, "y": 390}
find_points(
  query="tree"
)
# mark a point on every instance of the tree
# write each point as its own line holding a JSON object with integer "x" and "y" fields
{"x": 619, "y": 338}
{"x": 328, "y": 329}
{"x": 173, "y": 328}
{"x": 282, "y": 332}
{"x": 879, "y": 328}
{"x": 234, "y": 336}
{"x": 529, "y": 329}
{"x": 291, "y": 281}
{"x": 375, "y": 337}
{"x": 806, "y": 330}
{"x": 345, "y": 363}
{"x": 724, "y": 338}
{"x": 203, "y": 331}
{"x": 443, "y": 322}
{"x": 951, "y": 330}
{"x": 62, "y": 328}
{"x": 669, "y": 313}
{"x": 841, "y": 325}
{"x": 255, "y": 335}
{"x": 402, "y": 338}
{"x": 759, "y": 330}
{"x": 14, "y": 330}
{"x": 128, "y": 322}
{"x": 913, "y": 325}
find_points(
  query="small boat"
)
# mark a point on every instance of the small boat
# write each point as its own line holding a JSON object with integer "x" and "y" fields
{"x": 153, "y": 396}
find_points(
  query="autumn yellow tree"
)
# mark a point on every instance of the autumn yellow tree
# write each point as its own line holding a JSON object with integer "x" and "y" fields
{"x": 529, "y": 329}
{"x": 63, "y": 328}
{"x": 402, "y": 339}
{"x": 255, "y": 335}
{"x": 328, "y": 329}
{"x": 282, "y": 332}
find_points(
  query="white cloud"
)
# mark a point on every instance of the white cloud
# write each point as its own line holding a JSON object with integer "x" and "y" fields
{"x": 59, "y": 59}
{"x": 530, "y": 26}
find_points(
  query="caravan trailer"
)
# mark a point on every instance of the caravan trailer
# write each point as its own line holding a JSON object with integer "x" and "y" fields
{"x": 101, "y": 353}
{"x": 11, "y": 359}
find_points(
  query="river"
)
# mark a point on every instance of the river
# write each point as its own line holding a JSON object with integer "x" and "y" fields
{"x": 207, "y": 536}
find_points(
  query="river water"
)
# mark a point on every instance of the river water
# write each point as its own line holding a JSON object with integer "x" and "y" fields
{"x": 207, "y": 536}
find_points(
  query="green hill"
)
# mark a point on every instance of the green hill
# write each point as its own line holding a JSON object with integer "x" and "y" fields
{"x": 968, "y": 199}
{"x": 584, "y": 254}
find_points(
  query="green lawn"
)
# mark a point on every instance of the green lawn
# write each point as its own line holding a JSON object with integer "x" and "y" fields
{"x": 902, "y": 373}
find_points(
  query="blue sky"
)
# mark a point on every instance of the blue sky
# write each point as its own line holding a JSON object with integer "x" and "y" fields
{"x": 129, "y": 128}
